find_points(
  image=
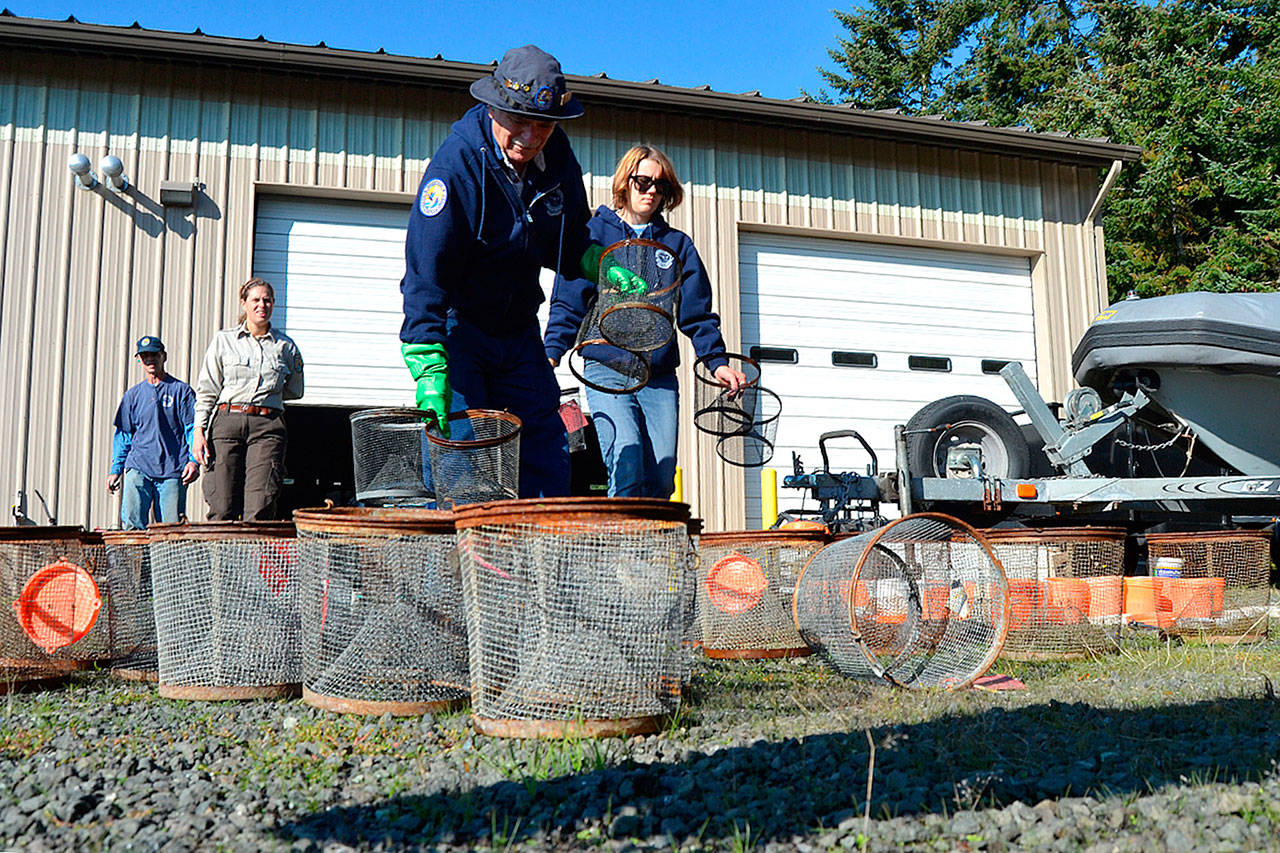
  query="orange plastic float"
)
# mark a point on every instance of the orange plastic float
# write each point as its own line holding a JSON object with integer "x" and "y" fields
{"x": 736, "y": 583}
{"x": 58, "y": 605}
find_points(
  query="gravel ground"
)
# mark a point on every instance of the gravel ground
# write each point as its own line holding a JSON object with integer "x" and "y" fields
{"x": 1160, "y": 747}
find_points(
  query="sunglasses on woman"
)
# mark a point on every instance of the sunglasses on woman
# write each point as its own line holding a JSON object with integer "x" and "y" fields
{"x": 643, "y": 183}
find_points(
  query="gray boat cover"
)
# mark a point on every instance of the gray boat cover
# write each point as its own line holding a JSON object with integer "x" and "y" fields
{"x": 1228, "y": 332}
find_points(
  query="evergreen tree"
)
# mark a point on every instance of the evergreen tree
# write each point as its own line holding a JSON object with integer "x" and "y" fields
{"x": 1195, "y": 84}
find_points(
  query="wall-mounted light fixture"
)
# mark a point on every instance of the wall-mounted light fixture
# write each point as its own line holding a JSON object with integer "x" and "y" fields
{"x": 113, "y": 173}
{"x": 80, "y": 167}
{"x": 178, "y": 193}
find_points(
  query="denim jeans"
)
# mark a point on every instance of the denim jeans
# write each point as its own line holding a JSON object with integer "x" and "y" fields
{"x": 637, "y": 433}
{"x": 166, "y": 497}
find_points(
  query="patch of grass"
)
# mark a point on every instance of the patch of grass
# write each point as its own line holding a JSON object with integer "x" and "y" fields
{"x": 536, "y": 761}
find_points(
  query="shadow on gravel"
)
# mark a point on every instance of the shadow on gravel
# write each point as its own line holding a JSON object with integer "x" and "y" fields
{"x": 796, "y": 786}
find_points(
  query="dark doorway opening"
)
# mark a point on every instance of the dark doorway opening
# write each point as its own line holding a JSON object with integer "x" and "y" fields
{"x": 318, "y": 464}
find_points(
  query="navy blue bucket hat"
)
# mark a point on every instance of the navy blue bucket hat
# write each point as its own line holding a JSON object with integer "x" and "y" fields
{"x": 528, "y": 82}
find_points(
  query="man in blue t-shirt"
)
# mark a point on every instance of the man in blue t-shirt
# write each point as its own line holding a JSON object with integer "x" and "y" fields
{"x": 151, "y": 446}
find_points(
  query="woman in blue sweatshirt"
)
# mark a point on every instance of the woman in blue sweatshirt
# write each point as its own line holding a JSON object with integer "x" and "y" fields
{"x": 638, "y": 431}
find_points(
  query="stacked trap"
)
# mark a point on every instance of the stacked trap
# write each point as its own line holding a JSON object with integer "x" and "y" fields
{"x": 743, "y": 422}
{"x": 381, "y": 611}
{"x": 1065, "y": 590}
{"x": 577, "y": 614}
{"x": 226, "y": 609}
{"x": 920, "y": 602}
{"x": 1212, "y": 585}
{"x": 745, "y": 586}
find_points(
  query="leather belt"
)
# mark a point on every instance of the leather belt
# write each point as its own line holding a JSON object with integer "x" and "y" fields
{"x": 248, "y": 410}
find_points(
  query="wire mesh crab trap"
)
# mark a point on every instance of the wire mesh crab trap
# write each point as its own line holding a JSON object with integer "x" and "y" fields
{"x": 754, "y": 446}
{"x": 1212, "y": 585}
{"x": 48, "y": 600}
{"x": 381, "y": 609}
{"x": 132, "y": 617}
{"x": 388, "y": 450}
{"x": 745, "y": 585}
{"x": 226, "y": 608}
{"x": 718, "y": 411}
{"x": 921, "y": 602}
{"x": 578, "y": 614}
{"x": 1065, "y": 590}
{"x": 479, "y": 461}
{"x": 638, "y": 315}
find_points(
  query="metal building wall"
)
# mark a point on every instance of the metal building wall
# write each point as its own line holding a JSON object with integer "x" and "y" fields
{"x": 83, "y": 274}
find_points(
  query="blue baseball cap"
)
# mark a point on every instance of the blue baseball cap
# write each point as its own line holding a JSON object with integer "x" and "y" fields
{"x": 528, "y": 82}
{"x": 150, "y": 343}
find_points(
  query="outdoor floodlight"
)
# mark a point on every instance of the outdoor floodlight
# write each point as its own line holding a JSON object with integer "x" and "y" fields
{"x": 178, "y": 193}
{"x": 79, "y": 166}
{"x": 113, "y": 173}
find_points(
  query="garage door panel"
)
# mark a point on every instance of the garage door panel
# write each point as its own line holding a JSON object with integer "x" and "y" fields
{"x": 899, "y": 326}
{"x": 817, "y": 296}
{"x": 835, "y": 255}
{"x": 314, "y": 269}
{"x": 883, "y": 295}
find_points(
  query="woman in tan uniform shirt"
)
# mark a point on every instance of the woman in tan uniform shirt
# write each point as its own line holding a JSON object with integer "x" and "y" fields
{"x": 240, "y": 438}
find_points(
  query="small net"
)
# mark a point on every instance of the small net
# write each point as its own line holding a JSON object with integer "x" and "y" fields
{"x": 920, "y": 602}
{"x": 382, "y": 624}
{"x": 226, "y": 608}
{"x": 1064, "y": 590}
{"x": 719, "y": 411}
{"x": 1212, "y": 585}
{"x": 390, "y": 464}
{"x": 754, "y": 446}
{"x": 132, "y": 618}
{"x": 578, "y": 613}
{"x": 637, "y": 316}
{"x": 746, "y": 581}
{"x": 479, "y": 461}
{"x": 25, "y": 552}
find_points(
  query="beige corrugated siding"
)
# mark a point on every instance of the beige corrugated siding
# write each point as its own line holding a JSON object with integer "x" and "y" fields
{"x": 86, "y": 273}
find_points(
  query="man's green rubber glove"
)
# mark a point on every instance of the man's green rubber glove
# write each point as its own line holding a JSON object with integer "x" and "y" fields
{"x": 429, "y": 367}
{"x": 617, "y": 275}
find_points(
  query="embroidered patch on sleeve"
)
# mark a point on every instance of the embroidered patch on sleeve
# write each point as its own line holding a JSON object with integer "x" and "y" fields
{"x": 434, "y": 195}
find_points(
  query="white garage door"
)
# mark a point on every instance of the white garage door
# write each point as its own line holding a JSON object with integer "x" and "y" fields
{"x": 336, "y": 268}
{"x": 861, "y": 335}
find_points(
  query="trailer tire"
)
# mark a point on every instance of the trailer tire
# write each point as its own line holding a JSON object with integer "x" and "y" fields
{"x": 968, "y": 419}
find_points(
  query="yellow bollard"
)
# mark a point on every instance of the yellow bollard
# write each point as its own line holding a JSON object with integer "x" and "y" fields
{"x": 768, "y": 497}
{"x": 678, "y": 494}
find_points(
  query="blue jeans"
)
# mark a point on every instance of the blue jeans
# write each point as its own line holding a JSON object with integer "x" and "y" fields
{"x": 166, "y": 496}
{"x": 637, "y": 433}
{"x": 511, "y": 372}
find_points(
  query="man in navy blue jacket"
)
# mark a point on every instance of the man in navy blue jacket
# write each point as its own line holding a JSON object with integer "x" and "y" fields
{"x": 501, "y": 199}
{"x": 151, "y": 446}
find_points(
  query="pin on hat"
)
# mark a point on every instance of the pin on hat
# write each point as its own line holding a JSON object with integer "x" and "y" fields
{"x": 528, "y": 82}
{"x": 149, "y": 343}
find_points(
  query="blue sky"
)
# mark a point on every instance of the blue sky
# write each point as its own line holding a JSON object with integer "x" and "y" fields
{"x": 774, "y": 46}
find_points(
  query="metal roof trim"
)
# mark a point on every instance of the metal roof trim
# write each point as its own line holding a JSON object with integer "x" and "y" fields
{"x": 196, "y": 48}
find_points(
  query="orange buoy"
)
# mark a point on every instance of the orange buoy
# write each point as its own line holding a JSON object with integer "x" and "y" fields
{"x": 58, "y": 605}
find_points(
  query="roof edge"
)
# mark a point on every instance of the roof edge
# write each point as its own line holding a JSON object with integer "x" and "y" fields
{"x": 197, "y": 48}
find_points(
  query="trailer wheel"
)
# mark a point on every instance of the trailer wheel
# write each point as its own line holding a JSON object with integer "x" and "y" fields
{"x": 966, "y": 419}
